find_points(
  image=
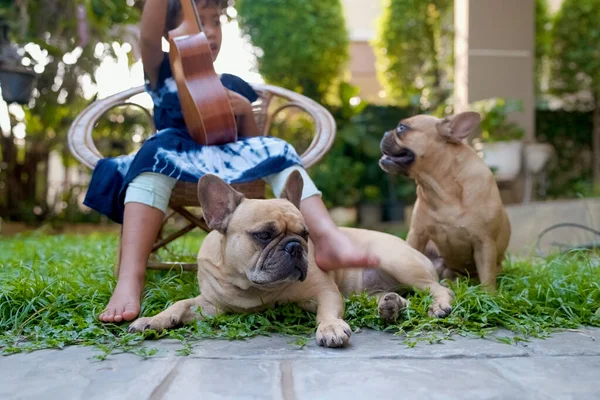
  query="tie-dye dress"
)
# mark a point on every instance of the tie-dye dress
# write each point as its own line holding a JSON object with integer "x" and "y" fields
{"x": 172, "y": 152}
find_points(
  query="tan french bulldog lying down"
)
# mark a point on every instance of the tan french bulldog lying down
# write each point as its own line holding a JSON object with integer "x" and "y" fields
{"x": 458, "y": 205}
{"x": 259, "y": 254}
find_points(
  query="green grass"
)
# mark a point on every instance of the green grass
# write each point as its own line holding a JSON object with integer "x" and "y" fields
{"x": 53, "y": 287}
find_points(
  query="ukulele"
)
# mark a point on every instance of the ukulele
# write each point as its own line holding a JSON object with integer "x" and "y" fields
{"x": 204, "y": 100}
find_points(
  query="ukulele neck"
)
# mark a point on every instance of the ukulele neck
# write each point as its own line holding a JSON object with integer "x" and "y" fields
{"x": 190, "y": 14}
{"x": 191, "y": 24}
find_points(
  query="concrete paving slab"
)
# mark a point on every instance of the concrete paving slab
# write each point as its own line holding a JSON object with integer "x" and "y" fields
{"x": 560, "y": 377}
{"x": 582, "y": 342}
{"x": 376, "y": 365}
{"x": 366, "y": 344}
{"x": 73, "y": 373}
{"x": 401, "y": 379}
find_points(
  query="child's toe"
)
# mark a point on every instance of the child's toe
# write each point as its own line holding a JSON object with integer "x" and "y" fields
{"x": 131, "y": 312}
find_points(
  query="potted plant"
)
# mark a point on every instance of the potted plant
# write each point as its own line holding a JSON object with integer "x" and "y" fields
{"x": 17, "y": 81}
{"x": 370, "y": 210}
{"x": 337, "y": 177}
{"x": 501, "y": 141}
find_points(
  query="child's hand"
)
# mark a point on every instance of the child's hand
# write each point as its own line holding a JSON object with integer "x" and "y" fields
{"x": 242, "y": 109}
{"x": 240, "y": 105}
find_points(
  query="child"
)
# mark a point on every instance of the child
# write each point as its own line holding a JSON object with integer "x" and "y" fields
{"x": 135, "y": 190}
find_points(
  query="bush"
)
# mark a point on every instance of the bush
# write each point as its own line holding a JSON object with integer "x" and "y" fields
{"x": 542, "y": 40}
{"x": 575, "y": 62}
{"x": 350, "y": 172}
{"x": 301, "y": 45}
{"x": 415, "y": 52}
{"x": 569, "y": 132}
{"x": 575, "y": 54}
{"x": 495, "y": 125}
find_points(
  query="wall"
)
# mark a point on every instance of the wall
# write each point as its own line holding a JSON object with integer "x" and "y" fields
{"x": 361, "y": 19}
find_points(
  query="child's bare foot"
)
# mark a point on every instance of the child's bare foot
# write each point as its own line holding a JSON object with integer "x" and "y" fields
{"x": 124, "y": 304}
{"x": 336, "y": 250}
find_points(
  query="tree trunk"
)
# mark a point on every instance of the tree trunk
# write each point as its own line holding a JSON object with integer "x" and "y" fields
{"x": 4, "y": 175}
{"x": 44, "y": 159}
{"x": 12, "y": 172}
{"x": 21, "y": 192}
{"x": 596, "y": 143}
{"x": 29, "y": 179}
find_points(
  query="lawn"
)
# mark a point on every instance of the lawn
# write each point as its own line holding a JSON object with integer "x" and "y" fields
{"x": 53, "y": 287}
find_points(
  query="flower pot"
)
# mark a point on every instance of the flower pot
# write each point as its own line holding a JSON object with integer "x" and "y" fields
{"x": 17, "y": 84}
{"x": 344, "y": 216}
{"x": 370, "y": 214}
{"x": 394, "y": 211}
{"x": 537, "y": 156}
{"x": 504, "y": 158}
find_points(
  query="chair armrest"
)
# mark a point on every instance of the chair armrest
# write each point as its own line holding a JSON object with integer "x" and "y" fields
{"x": 82, "y": 145}
{"x": 325, "y": 127}
{"x": 79, "y": 137}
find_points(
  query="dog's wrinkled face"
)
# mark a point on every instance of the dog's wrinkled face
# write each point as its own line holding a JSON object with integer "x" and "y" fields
{"x": 276, "y": 238}
{"x": 420, "y": 138}
{"x": 265, "y": 240}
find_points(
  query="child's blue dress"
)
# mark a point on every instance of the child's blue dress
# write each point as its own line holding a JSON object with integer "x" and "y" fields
{"x": 172, "y": 152}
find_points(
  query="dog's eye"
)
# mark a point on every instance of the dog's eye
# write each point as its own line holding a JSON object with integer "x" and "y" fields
{"x": 401, "y": 128}
{"x": 304, "y": 234}
{"x": 264, "y": 235}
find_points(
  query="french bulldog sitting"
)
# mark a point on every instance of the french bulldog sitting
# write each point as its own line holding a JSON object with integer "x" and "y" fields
{"x": 458, "y": 213}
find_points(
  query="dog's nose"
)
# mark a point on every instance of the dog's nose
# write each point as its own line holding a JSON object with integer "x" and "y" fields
{"x": 294, "y": 249}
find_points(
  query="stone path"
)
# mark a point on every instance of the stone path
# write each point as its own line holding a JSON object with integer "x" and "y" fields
{"x": 376, "y": 366}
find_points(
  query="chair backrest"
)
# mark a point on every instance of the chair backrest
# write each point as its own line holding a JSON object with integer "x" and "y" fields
{"x": 82, "y": 145}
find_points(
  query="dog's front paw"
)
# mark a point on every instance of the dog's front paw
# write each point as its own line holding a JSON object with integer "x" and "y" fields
{"x": 390, "y": 306}
{"x": 440, "y": 309}
{"x": 335, "y": 333}
{"x": 143, "y": 324}
{"x": 442, "y": 299}
{"x": 139, "y": 325}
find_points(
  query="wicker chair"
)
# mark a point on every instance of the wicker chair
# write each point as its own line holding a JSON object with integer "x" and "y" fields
{"x": 184, "y": 194}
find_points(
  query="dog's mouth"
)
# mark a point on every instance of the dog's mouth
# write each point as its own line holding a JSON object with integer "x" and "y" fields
{"x": 298, "y": 274}
{"x": 285, "y": 261}
{"x": 302, "y": 272}
{"x": 399, "y": 162}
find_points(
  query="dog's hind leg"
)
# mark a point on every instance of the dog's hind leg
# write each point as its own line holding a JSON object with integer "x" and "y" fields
{"x": 410, "y": 269}
{"x": 420, "y": 276}
{"x": 383, "y": 287}
{"x": 389, "y": 305}
{"x": 486, "y": 260}
{"x": 180, "y": 313}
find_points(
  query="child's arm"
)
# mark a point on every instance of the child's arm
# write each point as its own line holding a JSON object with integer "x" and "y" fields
{"x": 242, "y": 109}
{"x": 249, "y": 127}
{"x": 152, "y": 29}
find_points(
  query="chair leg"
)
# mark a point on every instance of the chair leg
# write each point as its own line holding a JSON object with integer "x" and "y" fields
{"x": 162, "y": 227}
{"x": 195, "y": 222}
{"x": 198, "y": 221}
{"x": 163, "y": 242}
{"x": 160, "y": 242}
{"x": 166, "y": 266}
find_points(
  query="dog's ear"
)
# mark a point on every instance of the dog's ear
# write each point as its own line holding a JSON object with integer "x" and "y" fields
{"x": 458, "y": 127}
{"x": 292, "y": 190}
{"x": 218, "y": 201}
